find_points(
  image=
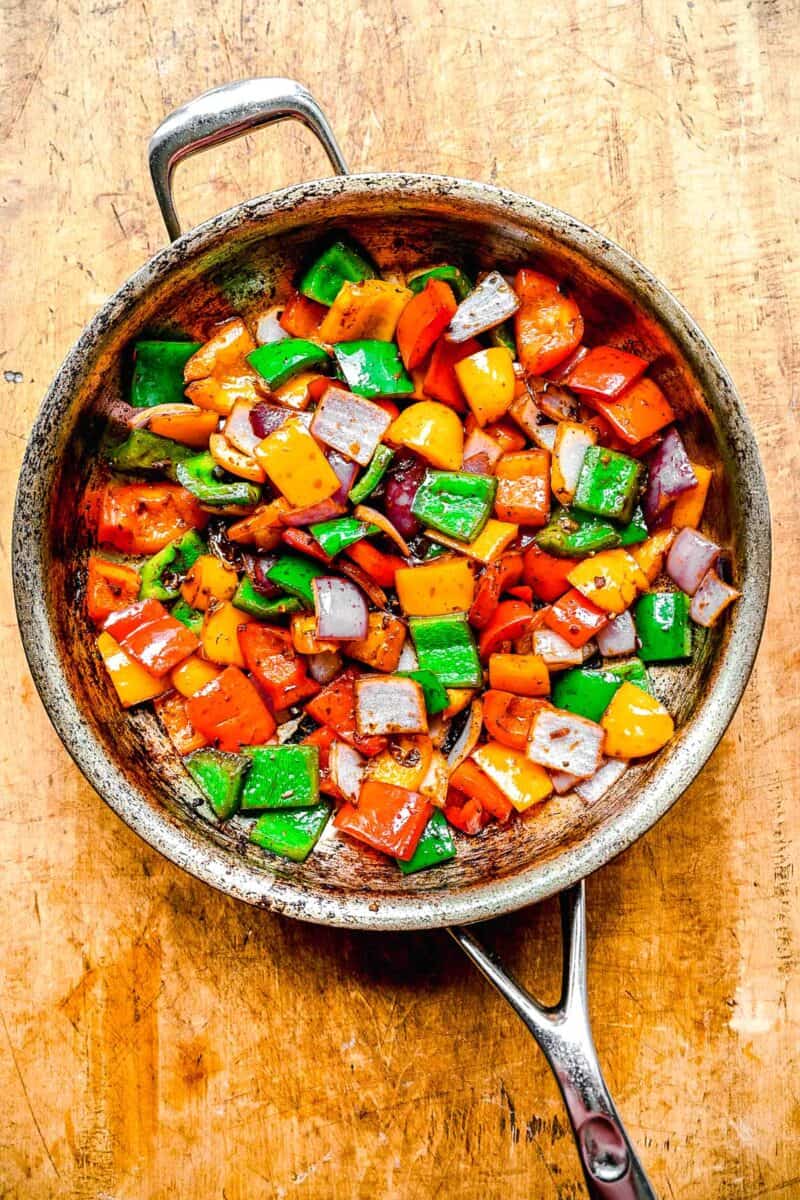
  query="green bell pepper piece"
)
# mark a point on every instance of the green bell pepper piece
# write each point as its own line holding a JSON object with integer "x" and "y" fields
{"x": 662, "y": 626}
{"x": 435, "y": 846}
{"x": 503, "y": 335}
{"x": 636, "y": 530}
{"x": 201, "y": 476}
{"x": 279, "y": 361}
{"x": 378, "y": 466}
{"x": 291, "y": 834}
{"x": 632, "y": 670}
{"x": 458, "y": 281}
{"x": 158, "y": 372}
{"x": 434, "y": 691}
{"x": 294, "y": 575}
{"x": 338, "y": 264}
{"x": 445, "y": 645}
{"x": 146, "y": 451}
{"x": 585, "y": 691}
{"x": 249, "y": 600}
{"x": 435, "y": 550}
{"x": 219, "y": 776}
{"x": 192, "y": 618}
{"x": 175, "y": 559}
{"x": 608, "y": 485}
{"x": 571, "y": 534}
{"x": 336, "y": 535}
{"x": 281, "y": 777}
{"x": 371, "y": 368}
{"x": 455, "y": 502}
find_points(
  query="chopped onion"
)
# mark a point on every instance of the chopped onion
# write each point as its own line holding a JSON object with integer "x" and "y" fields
{"x": 324, "y": 666}
{"x": 403, "y": 480}
{"x": 564, "y": 741}
{"x": 603, "y": 779}
{"x": 618, "y": 637}
{"x": 143, "y": 416}
{"x": 376, "y": 594}
{"x": 387, "y": 704}
{"x": 408, "y": 660}
{"x": 467, "y": 740}
{"x": 345, "y": 471}
{"x": 362, "y": 512}
{"x": 556, "y": 403}
{"x": 711, "y": 598}
{"x": 347, "y": 770}
{"x": 269, "y": 328}
{"x": 670, "y": 474}
{"x": 487, "y": 305}
{"x": 326, "y": 510}
{"x": 691, "y": 557}
{"x": 266, "y": 418}
{"x": 257, "y": 566}
{"x": 349, "y": 424}
{"x": 573, "y": 443}
{"x": 341, "y": 609}
{"x": 238, "y": 428}
{"x": 563, "y": 782}
{"x": 534, "y": 423}
{"x": 556, "y": 650}
{"x": 481, "y": 453}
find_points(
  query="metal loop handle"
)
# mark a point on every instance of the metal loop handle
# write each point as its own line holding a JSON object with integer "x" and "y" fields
{"x": 610, "y": 1164}
{"x": 225, "y": 113}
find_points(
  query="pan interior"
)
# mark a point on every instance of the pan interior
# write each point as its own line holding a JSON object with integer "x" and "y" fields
{"x": 236, "y": 264}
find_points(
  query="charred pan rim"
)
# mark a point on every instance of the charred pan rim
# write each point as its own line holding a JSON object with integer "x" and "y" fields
{"x": 186, "y": 847}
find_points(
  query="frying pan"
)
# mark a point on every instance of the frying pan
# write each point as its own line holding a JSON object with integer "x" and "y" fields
{"x": 228, "y": 265}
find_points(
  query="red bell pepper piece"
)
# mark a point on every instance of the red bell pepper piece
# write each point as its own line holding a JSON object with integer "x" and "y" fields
{"x": 142, "y": 518}
{"x": 470, "y": 779}
{"x": 380, "y": 567}
{"x": 546, "y": 574}
{"x": 562, "y": 372}
{"x": 510, "y": 439}
{"x": 388, "y": 406}
{"x": 511, "y": 619}
{"x": 300, "y": 540}
{"x": 109, "y": 587}
{"x": 523, "y": 592}
{"x": 230, "y": 712}
{"x": 508, "y": 718}
{"x": 172, "y": 710}
{"x": 153, "y": 638}
{"x": 498, "y": 577}
{"x": 606, "y": 371}
{"x": 575, "y": 618}
{"x": 335, "y": 706}
{"x": 640, "y": 411}
{"x": 318, "y": 387}
{"x": 548, "y": 324}
{"x": 388, "y": 818}
{"x": 274, "y": 664}
{"x": 302, "y": 316}
{"x": 465, "y": 812}
{"x": 440, "y": 382}
{"x": 422, "y": 320}
{"x": 323, "y": 738}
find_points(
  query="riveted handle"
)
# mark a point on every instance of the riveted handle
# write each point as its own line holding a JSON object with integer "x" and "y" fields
{"x": 225, "y": 113}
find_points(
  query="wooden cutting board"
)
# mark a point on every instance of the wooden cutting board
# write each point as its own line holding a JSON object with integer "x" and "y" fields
{"x": 159, "y": 1040}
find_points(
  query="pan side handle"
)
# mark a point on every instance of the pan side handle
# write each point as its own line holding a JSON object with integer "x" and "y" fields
{"x": 610, "y": 1164}
{"x": 225, "y": 113}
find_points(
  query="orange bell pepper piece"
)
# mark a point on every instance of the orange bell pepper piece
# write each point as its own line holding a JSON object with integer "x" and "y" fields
{"x": 132, "y": 683}
{"x": 381, "y": 567}
{"x": 575, "y": 618}
{"x": 142, "y": 518}
{"x": 523, "y": 674}
{"x": 649, "y": 555}
{"x": 383, "y": 644}
{"x": 493, "y": 539}
{"x": 423, "y": 319}
{"x": 173, "y": 712}
{"x": 546, "y": 574}
{"x": 191, "y": 428}
{"x": 262, "y": 528}
{"x": 302, "y": 316}
{"x": 641, "y": 410}
{"x": 471, "y": 780}
{"x": 220, "y": 634}
{"x": 208, "y": 580}
{"x": 390, "y": 819}
{"x": 304, "y": 635}
{"x": 441, "y": 382}
{"x": 230, "y": 712}
{"x": 510, "y": 621}
{"x": 270, "y": 657}
{"x": 548, "y": 325}
{"x": 523, "y": 488}
{"x": 369, "y": 309}
{"x": 507, "y": 718}
{"x": 218, "y": 374}
{"x": 109, "y": 587}
{"x": 435, "y": 588}
{"x": 465, "y": 812}
{"x": 687, "y": 511}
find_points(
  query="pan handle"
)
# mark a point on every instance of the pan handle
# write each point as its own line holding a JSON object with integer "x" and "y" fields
{"x": 228, "y": 112}
{"x": 610, "y": 1163}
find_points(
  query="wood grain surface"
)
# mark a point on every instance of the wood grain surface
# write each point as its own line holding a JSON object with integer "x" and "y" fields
{"x": 159, "y": 1040}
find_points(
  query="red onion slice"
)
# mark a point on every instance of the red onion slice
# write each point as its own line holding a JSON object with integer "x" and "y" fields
{"x": 402, "y": 483}
{"x": 603, "y": 779}
{"x": 563, "y": 741}
{"x": 691, "y": 557}
{"x": 711, "y": 599}
{"x": 257, "y": 566}
{"x": 341, "y": 609}
{"x": 468, "y": 738}
{"x": 488, "y": 305}
{"x": 326, "y": 510}
{"x": 345, "y": 471}
{"x": 670, "y": 474}
{"x": 266, "y": 418}
{"x": 376, "y": 594}
{"x": 481, "y": 453}
{"x": 386, "y": 704}
{"x": 138, "y": 417}
{"x": 618, "y": 637}
{"x": 324, "y": 666}
{"x": 350, "y": 424}
{"x": 238, "y": 428}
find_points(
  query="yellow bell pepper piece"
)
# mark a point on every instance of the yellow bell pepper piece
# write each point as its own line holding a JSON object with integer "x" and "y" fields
{"x": 635, "y": 723}
{"x": 304, "y": 635}
{"x": 294, "y": 393}
{"x": 687, "y": 510}
{"x": 192, "y": 674}
{"x": 370, "y": 309}
{"x": 131, "y": 682}
{"x": 434, "y": 431}
{"x": 207, "y": 580}
{"x": 382, "y": 646}
{"x": 459, "y": 699}
{"x": 609, "y": 579}
{"x": 405, "y": 764}
{"x": 649, "y": 555}
{"x": 522, "y": 781}
{"x": 441, "y": 587}
{"x": 296, "y": 465}
{"x": 487, "y": 381}
{"x": 218, "y": 375}
{"x": 488, "y": 545}
{"x": 219, "y": 636}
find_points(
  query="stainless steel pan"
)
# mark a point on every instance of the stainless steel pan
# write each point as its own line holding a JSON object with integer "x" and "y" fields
{"x": 227, "y": 265}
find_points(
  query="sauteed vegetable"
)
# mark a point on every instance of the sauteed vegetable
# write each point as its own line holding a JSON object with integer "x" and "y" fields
{"x": 398, "y": 553}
